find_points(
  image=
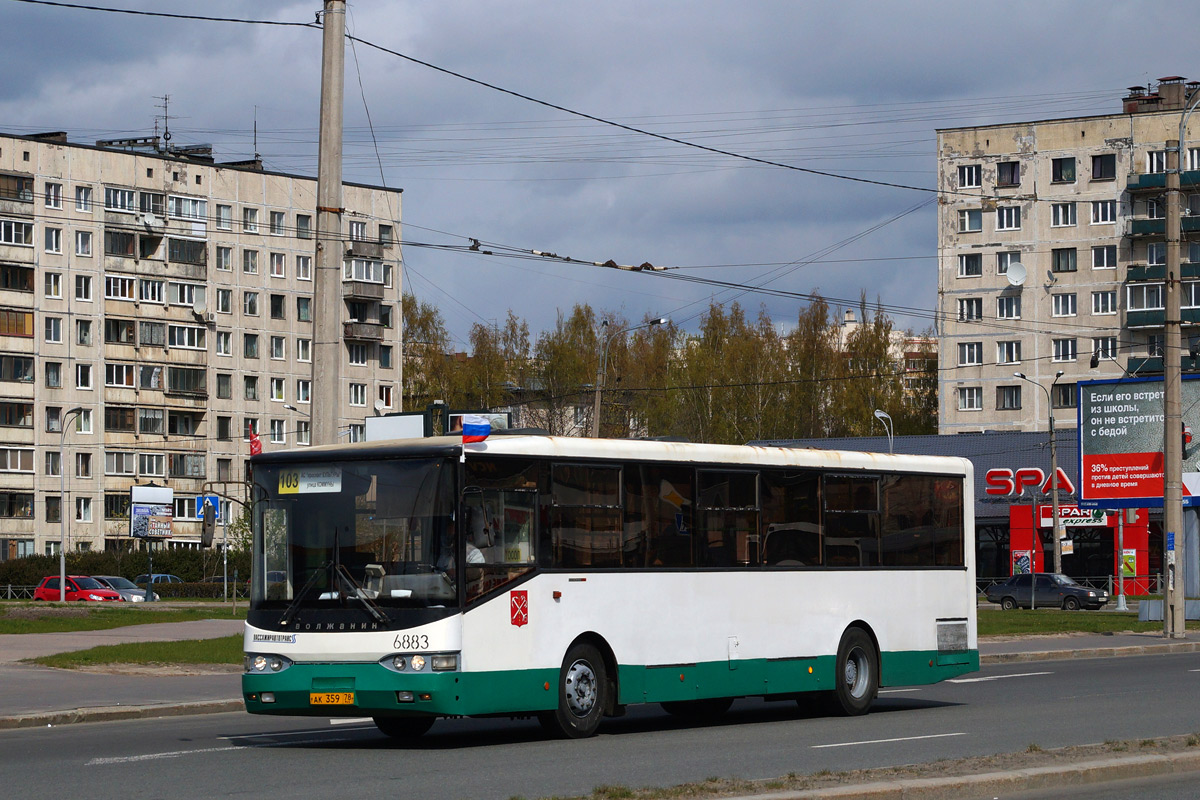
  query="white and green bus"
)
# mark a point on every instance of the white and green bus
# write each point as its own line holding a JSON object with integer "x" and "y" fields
{"x": 566, "y": 579}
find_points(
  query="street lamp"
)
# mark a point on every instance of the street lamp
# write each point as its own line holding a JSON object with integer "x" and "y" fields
{"x": 62, "y": 503}
{"x": 1053, "y": 472}
{"x": 602, "y": 366}
{"x": 291, "y": 407}
{"x": 886, "y": 421}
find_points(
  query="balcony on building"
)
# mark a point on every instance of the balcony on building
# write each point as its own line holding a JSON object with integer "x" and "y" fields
{"x": 364, "y": 331}
{"x": 363, "y": 249}
{"x": 1150, "y": 365}
{"x": 1157, "y": 181}
{"x": 362, "y": 290}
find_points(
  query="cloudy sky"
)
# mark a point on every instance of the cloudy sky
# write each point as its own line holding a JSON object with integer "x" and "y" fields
{"x": 852, "y": 88}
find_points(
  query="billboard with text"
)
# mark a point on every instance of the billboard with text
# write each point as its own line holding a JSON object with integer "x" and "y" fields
{"x": 1121, "y": 443}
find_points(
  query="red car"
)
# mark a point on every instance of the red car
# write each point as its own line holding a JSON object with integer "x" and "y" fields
{"x": 79, "y": 587}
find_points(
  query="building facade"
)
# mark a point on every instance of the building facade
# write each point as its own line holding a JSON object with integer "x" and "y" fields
{"x": 156, "y": 307}
{"x": 1079, "y": 205}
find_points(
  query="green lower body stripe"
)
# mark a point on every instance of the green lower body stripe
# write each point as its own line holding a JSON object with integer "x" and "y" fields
{"x": 377, "y": 690}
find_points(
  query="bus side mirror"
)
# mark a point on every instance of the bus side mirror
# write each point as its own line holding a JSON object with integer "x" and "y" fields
{"x": 208, "y": 525}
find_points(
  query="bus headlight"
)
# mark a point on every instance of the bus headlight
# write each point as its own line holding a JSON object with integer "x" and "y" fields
{"x": 265, "y": 663}
{"x": 400, "y": 663}
{"x": 444, "y": 663}
{"x": 417, "y": 662}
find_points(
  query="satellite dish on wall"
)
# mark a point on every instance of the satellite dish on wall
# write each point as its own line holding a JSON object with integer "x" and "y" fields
{"x": 1016, "y": 274}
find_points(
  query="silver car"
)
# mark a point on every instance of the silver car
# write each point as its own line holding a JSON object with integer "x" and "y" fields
{"x": 128, "y": 590}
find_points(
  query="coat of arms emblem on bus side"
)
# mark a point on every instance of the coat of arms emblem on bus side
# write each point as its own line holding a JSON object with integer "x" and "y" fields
{"x": 518, "y": 603}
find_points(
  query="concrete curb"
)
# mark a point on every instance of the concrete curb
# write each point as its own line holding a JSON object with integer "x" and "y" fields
{"x": 109, "y": 713}
{"x": 997, "y": 783}
{"x": 1090, "y": 652}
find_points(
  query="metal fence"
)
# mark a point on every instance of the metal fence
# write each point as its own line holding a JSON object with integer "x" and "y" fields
{"x": 1136, "y": 584}
{"x": 18, "y": 592}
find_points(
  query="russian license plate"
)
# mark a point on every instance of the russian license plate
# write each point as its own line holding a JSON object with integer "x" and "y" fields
{"x": 331, "y": 698}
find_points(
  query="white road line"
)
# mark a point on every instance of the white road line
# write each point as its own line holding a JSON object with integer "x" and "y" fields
{"x": 899, "y": 691}
{"x": 351, "y": 721}
{"x": 885, "y": 741}
{"x": 997, "y": 677}
{"x": 100, "y": 762}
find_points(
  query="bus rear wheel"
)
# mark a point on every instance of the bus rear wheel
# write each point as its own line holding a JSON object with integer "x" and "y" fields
{"x": 856, "y": 674}
{"x": 582, "y": 694}
{"x": 403, "y": 727}
{"x": 698, "y": 710}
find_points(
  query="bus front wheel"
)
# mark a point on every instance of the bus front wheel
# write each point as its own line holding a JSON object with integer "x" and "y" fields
{"x": 582, "y": 694}
{"x": 857, "y": 673}
{"x": 403, "y": 727}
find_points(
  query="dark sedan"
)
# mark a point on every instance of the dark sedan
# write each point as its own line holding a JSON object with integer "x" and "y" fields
{"x": 1053, "y": 591}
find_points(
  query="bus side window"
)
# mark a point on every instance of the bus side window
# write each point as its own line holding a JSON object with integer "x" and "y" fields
{"x": 727, "y": 518}
{"x": 658, "y": 516}
{"x": 586, "y": 519}
{"x": 852, "y": 521}
{"x": 791, "y": 519}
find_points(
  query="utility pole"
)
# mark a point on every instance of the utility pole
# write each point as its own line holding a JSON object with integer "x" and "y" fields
{"x": 1174, "y": 596}
{"x": 327, "y": 311}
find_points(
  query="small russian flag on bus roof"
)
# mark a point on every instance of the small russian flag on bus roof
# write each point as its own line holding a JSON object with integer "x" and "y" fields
{"x": 475, "y": 428}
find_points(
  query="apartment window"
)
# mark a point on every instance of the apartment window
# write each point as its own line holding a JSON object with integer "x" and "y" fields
{"x": 224, "y": 343}
{"x": 361, "y": 269}
{"x": 150, "y": 377}
{"x": 1063, "y": 259}
{"x": 1156, "y": 253}
{"x": 1193, "y": 158}
{"x": 1156, "y": 208}
{"x": 1063, "y": 305}
{"x": 1008, "y": 307}
{"x": 250, "y": 345}
{"x": 385, "y": 356}
{"x": 83, "y": 287}
{"x": 303, "y": 432}
{"x": 385, "y": 396}
{"x": 151, "y": 290}
{"x": 968, "y": 176}
{"x": 278, "y": 306}
{"x": 119, "y": 419}
{"x": 224, "y": 217}
{"x": 118, "y": 199}
{"x": 53, "y": 371}
{"x": 83, "y": 199}
{"x": 1065, "y": 350}
{"x": 303, "y": 226}
{"x": 83, "y": 243}
{"x": 119, "y": 243}
{"x": 1190, "y": 298}
{"x": 277, "y": 432}
{"x": 970, "y": 265}
{"x": 119, "y": 375}
{"x": 386, "y": 235}
{"x": 224, "y": 428}
{"x": 1008, "y": 218}
{"x": 1104, "y": 167}
{"x": 277, "y": 265}
{"x": 970, "y": 398}
{"x": 117, "y": 287}
{"x": 15, "y": 278}
{"x": 151, "y": 203}
{"x": 53, "y": 288}
{"x": 304, "y": 309}
{"x": 54, "y": 330}
{"x": 358, "y": 354}
{"x": 1156, "y": 345}
{"x": 250, "y": 304}
{"x": 53, "y": 240}
{"x": 187, "y": 337}
{"x": 1062, "y": 215}
{"x": 1006, "y": 259}
{"x": 250, "y": 262}
{"x": 16, "y": 415}
{"x": 1145, "y": 296}
{"x": 224, "y": 386}
{"x": 1105, "y": 347}
{"x": 119, "y": 463}
{"x": 16, "y": 323}
{"x": 53, "y": 465}
{"x": 1104, "y": 302}
{"x": 277, "y": 389}
{"x": 224, "y": 258}
{"x": 304, "y": 349}
{"x": 250, "y": 387}
{"x": 152, "y": 464}
{"x": 249, "y": 426}
{"x": 1062, "y": 170}
{"x": 1104, "y": 212}
{"x": 304, "y": 268}
{"x": 277, "y": 347}
{"x": 277, "y": 220}
{"x": 250, "y": 220}
{"x": 150, "y": 420}
{"x": 970, "y": 220}
{"x": 1104, "y": 257}
{"x": 83, "y": 509}
{"x": 184, "y": 380}
{"x": 185, "y": 465}
{"x": 358, "y": 394}
{"x": 357, "y": 433}
{"x": 16, "y": 233}
{"x": 1008, "y": 173}
{"x": 187, "y": 251}
{"x": 1008, "y": 398}
{"x": 118, "y": 331}
{"x": 1063, "y": 395}
{"x": 1156, "y": 161}
{"x": 303, "y": 390}
{"x": 83, "y": 376}
{"x": 1008, "y": 352}
{"x": 153, "y": 334}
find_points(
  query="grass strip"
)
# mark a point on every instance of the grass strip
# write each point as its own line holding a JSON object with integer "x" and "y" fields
{"x": 994, "y": 622}
{"x": 59, "y": 618}
{"x": 223, "y": 650}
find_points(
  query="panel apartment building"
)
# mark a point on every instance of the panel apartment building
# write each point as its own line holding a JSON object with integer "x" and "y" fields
{"x": 155, "y": 308}
{"x": 1078, "y": 204}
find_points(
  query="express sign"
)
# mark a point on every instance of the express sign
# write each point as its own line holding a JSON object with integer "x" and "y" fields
{"x": 1004, "y": 482}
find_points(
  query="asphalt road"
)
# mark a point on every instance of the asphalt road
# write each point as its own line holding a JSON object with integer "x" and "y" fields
{"x": 1004, "y": 708}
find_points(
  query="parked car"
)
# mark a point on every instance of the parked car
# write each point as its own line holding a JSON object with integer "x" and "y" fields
{"x": 1053, "y": 590}
{"x": 128, "y": 590}
{"x": 159, "y": 577}
{"x": 79, "y": 587}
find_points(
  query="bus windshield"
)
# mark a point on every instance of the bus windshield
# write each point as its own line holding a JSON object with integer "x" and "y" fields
{"x": 361, "y": 534}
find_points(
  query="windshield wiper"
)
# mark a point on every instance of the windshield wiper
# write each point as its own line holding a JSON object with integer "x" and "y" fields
{"x": 294, "y": 606}
{"x": 360, "y": 593}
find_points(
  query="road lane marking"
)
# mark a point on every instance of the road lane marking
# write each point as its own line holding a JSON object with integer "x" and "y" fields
{"x": 997, "y": 677}
{"x": 899, "y": 691}
{"x": 351, "y": 721}
{"x": 886, "y": 741}
{"x": 100, "y": 762}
